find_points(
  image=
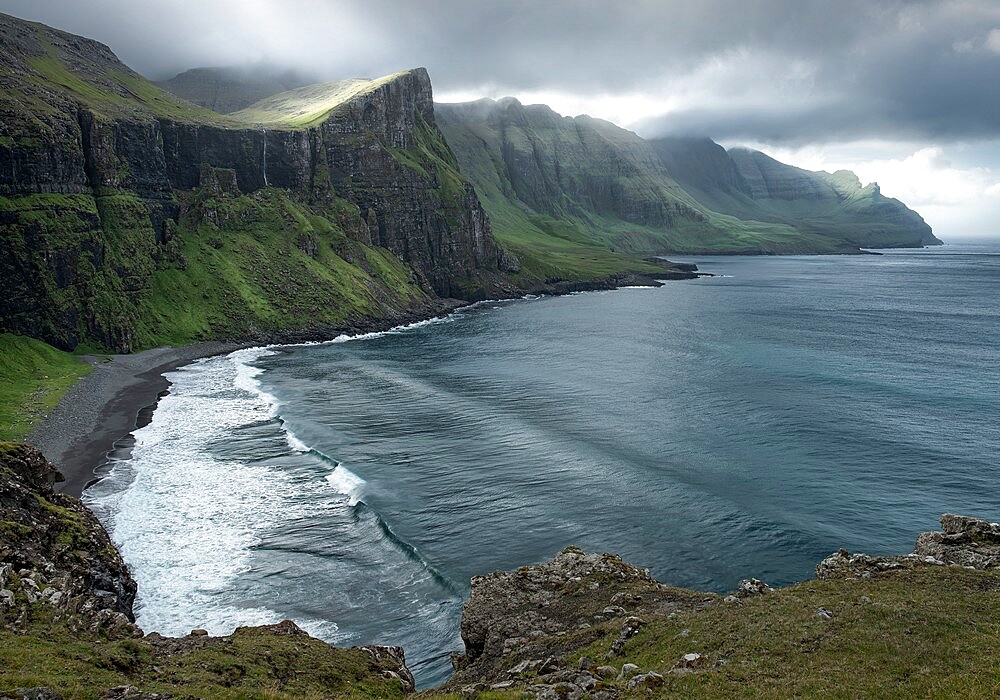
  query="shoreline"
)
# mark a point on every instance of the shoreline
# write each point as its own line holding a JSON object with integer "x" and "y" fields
{"x": 122, "y": 392}
{"x": 108, "y": 404}
{"x": 120, "y": 395}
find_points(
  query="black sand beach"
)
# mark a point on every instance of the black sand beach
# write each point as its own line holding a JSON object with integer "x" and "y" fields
{"x": 106, "y": 405}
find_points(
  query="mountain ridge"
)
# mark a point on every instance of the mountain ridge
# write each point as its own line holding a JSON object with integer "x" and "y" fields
{"x": 724, "y": 199}
{"x": 123, "y": 204}
{"x": 645, "y": 207}
{"x": 750, "y": 184}
{"x": 230, "y": 89}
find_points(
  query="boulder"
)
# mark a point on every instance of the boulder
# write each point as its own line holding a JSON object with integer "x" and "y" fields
{"x": 749, "y": 587}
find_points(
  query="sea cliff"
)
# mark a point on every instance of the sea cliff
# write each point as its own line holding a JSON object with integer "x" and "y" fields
{"x": 132, "y": 217}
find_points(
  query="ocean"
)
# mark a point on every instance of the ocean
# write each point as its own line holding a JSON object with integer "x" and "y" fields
{"x": 746, "y": 424}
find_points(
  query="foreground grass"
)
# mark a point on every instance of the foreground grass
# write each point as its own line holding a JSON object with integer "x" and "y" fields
{"x": 33, "y": 377}
{"x": 251, "y": 664}
{"x": 928, "y": 632}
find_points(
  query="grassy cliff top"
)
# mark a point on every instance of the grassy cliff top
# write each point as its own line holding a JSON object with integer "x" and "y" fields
{"x": 308, "y": 105}
{"x": 43, "y": 69}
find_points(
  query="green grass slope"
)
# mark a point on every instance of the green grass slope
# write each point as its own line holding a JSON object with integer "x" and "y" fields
{"x": 236, "y": 267}
{"x": 33, "y": 377}
{"x": 832, "y": 209}
{"x": 583, "y": 193}
{"x": 264, "y": 264}
{"x": 928, "y": 632}
{"x": 308, "y": 105}
{"x": 252, "y": 664}
{"x": 42, "y": 69}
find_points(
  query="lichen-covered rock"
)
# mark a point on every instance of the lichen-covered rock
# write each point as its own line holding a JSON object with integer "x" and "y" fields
{"x": 630, "y": 628}
{"x": 515, "y": 618}
{"x": 393, "y": 662}
{"x": 34, "y": 694}
{"x": 963, "y": 541}
{"x": 750, "y": 587}
{"x": 843, "y": 564}
{"x": 54, "y": 551}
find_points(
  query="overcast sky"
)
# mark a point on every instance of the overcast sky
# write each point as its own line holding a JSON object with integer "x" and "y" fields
{"x": 905, "y": 92}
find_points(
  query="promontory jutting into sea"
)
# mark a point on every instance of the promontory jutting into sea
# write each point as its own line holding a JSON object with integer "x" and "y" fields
{"x": 326, "y": 387}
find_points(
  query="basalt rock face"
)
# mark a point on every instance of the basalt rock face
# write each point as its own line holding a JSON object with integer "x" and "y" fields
{"x": 82, "y": 134}
{"x": 428, "y": 214}
{"x": 415, "y": 204}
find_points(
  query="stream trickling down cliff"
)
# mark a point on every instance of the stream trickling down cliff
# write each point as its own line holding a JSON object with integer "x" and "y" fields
{"x": 743, "y": 425}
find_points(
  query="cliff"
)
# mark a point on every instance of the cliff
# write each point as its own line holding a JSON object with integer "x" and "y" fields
{"x": 751, "y": 185}
{"x": 132, "y": 217}
{"x": 566, "y": 167}
{"x": 549, "y": 181}
{"x": 544, "y": 176}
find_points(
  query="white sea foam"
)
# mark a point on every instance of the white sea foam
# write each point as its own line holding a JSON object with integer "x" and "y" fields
{"x": 294, "y": 442}
{"x": 346, "y": 482}
{"x": 344, "y": 338}
{"x": 185, "y": 519}
{"x": 247, "y": 373}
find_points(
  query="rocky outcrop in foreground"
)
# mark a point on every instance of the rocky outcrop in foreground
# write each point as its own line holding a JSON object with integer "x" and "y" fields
{"x": 579, "y": 626}
{"x": 66, "y": 616}
{"x": 520, "y": 621}
{"x": 968, "y": 542}
{"x": 54, "y": 553}
{"x": 571, "y": 627}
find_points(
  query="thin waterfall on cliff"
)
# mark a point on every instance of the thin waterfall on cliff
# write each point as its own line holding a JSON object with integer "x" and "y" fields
{"x": 264, "y": 165}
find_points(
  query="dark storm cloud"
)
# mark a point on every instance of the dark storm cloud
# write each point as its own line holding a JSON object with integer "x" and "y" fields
{"x": 793, "y": 70}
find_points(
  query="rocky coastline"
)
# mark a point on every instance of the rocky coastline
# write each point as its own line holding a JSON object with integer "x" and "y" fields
{"x": 583, "y": 625}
